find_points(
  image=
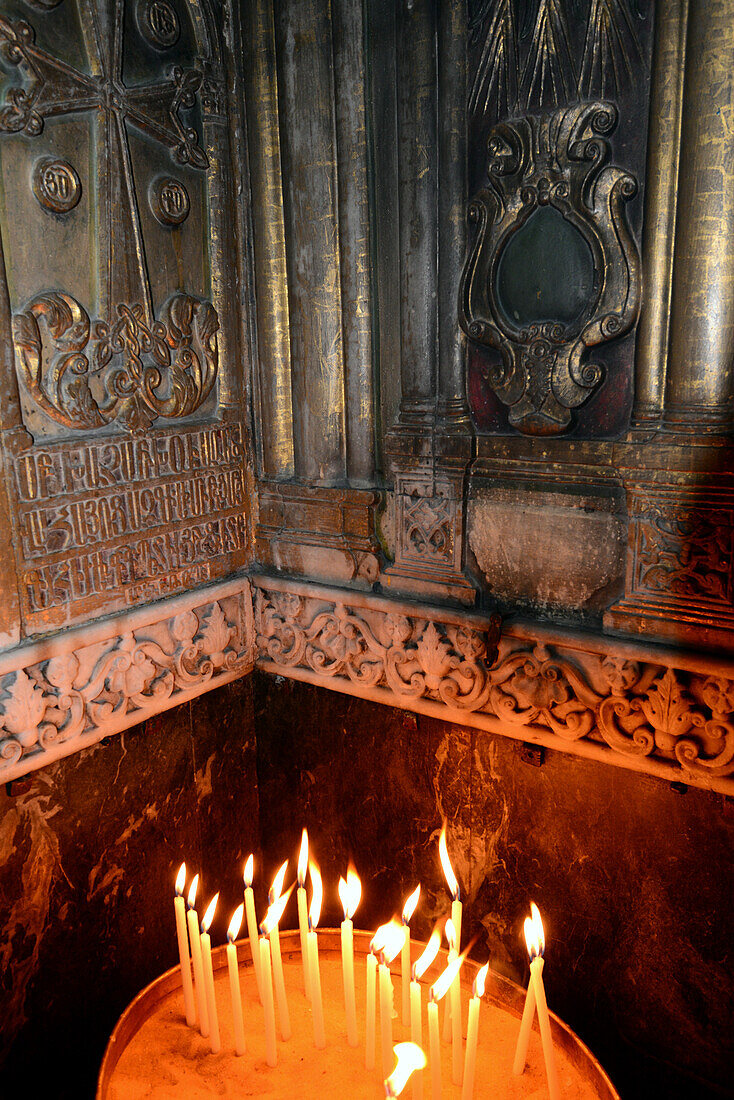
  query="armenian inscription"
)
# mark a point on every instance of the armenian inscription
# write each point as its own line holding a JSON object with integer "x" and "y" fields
{"x": 169, "y": 201}
{"x": 134, "y": 519}
{"x": 158, "y": 23}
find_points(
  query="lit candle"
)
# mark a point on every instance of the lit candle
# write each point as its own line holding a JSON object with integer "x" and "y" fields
{"x": 183, "y": 947}
{"x": 303, "y": 908}
{"x": 392, "y": 941}
{"x": 192, "y": 918}
{"x": 369, "y": 1025}
{"x": 234, "y": 979}
{"x": 409, "y": 1059}
{"x": 274, "y": 897}
{"x": 456, "y": 913}
{"x": 317, "y": 1008}
{"x": 252, "y": 922}
{"x": 452, "y": 1019}
{"x": 528, "y": 1013}
{"x": 350, "y": 892}
{"x": 472, "y": 1032}
{"x": 416, "y": 1007}
{"x": 408, "y": 910}
{"x": 206, "y": 960}
{"x": 535, "y": 939}
{"x": 436, "y": 992}
{"x": 271, "y": 1054}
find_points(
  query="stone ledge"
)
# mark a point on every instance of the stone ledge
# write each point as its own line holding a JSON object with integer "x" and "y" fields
{"x": 70, "y": 690}
{"x": 641, "y": 707}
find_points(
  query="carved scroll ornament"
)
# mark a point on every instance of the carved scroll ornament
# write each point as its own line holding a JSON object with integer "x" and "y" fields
{"x": 627, "y": 708}
{"x": 85, "y": 374}
{"x": 88, "y": 688}
{"x": 557, "y": 162}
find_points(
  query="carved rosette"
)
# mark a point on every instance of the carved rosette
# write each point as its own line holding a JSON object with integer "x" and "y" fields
{"x": 554, "y": 161}
{"x": 52, "y": 707}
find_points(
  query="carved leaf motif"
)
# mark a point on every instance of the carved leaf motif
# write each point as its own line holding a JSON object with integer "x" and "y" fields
{"x": 667, "y": 709}
{"x": 24, "y": 709}
{"x": 216, "y": 634}
{"x": 434, "y": 655}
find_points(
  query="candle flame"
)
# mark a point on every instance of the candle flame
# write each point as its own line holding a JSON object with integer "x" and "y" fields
{"x": 410, "y": 1058}
{"x": 480, "y": 980}
{"x": 410, "y": 904}
{"x": 392, "y": 940}
{"x": 303, "y": 859}
{"x": 450, "y": 934}
{"x": 208, "y": 917}
{"x": 235, "y": 924}
{"x": 442, "y": 983}
{"x": 180, "y": 880}
{"x": 448, "y": 870}
{"x": 350, "y": 892}
{"x": 534, "y": 932}
{"x": 275, "y": 912}
{"x": 249, "y": 868}
{"x": 191, "y": 900}
{"x": 277, "y": 888}
{"x": 429, "y": 954}
{"x": 317, "y": 894}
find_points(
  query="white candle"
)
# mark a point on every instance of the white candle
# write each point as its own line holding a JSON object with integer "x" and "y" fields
{"x": 536, "y": 977}
{"x": 456, "y": 1044}
{"x": 252, "y": 922}
{"x": 385, "y": 1018}
{"x": 456, "y": 914}
{"x": 317, "y": 1007}
{"x": 437, "y": 991}
{"x": 271, "y": 1055}
{"x": 472, "y": 1033}
{"x": 182, "y": 937}
{"x": 435, "y": 1049}
{"x": 528, "y": 1012}
{"x": 206, "y": 958}
{"x": 369, "y": 1023}
{"x": 312, "y": 948}
{"x": 303, "y": 909}
{"x": 451, "y": 940}
{"x": 275, "y": 899}
{"x": 416, "y": 1032}
{"x": 234, "y": 981}
{"x": 408, "y": 910}
{"x": 350, "y": 892}
{"x": 192, "y": 919}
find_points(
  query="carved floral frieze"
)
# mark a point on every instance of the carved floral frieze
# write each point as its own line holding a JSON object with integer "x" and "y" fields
{"x": 631, "y": 705}
{"x": 78, "y": 688}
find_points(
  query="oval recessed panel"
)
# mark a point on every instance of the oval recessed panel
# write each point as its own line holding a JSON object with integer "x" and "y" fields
{"x": 545, "y": 272}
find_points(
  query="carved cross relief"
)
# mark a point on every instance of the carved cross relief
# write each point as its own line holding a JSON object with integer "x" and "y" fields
{"x": 128, "y": 366}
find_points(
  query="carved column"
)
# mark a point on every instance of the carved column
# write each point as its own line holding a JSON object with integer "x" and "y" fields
{"x": 303, "y": 35}
{"x": 354, "y": 238}
{"x": 700, "y": 384}
{"x": 661, "y": 194}
{"x": 680, "y": 489}
{"x": 273, "y": 378}
{"x": 430, "y": 446}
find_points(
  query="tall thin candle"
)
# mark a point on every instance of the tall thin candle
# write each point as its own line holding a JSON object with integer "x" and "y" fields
{"x": 252, "y": 922}
{"x": 436, "y": 992}
{"x": 369, "y": 1016}
{"x": 314, "y": 972}
{"x": 392, "y": 941}
{"x": 535, "y": 940}
{"x": 456, "y": 913}
{"x": 472, "y": 1034}
{"x": 206, "y": 959}
{"x": 182, "y": 938}
{"x": 416, "y": 1024}
{"x": 234, "y": 980}
{"x": 192, "y": 918}
{"x": 271, "y": 1053}
{"x": 277, "y": 898}
{"x": 408, "y": 910}
{"x": 350, "y": 892}
{"x": 303, "y": 909}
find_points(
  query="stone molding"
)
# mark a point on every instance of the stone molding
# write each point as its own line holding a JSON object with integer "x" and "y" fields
{"x": 636, "y": 706}
{"x": 71, "y": 690}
